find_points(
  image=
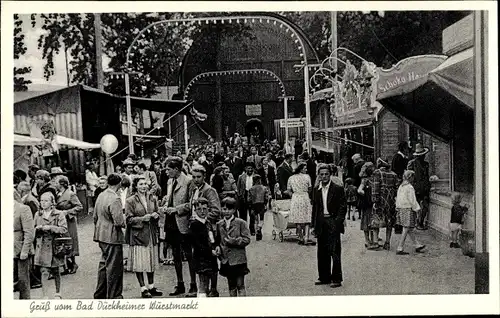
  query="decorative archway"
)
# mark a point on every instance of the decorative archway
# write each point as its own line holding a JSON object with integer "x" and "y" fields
{"x": 281, "y": 23}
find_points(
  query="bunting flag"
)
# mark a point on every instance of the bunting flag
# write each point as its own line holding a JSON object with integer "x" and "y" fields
{"x": 197, "y": 115}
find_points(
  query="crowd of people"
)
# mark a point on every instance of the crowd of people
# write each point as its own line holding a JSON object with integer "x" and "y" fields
{"x": 204, "y": 208}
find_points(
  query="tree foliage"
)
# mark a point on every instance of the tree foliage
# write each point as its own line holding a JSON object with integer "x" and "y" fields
{"x": 20, "y": 83}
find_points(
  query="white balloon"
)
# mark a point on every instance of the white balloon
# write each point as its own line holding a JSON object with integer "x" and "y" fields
{"x": 109, "y": 143}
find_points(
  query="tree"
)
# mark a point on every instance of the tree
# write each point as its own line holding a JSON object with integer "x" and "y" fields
{"x": 20, "y": 83}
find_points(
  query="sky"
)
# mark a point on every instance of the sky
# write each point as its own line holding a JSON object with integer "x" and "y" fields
{"x": 33, "y": 58}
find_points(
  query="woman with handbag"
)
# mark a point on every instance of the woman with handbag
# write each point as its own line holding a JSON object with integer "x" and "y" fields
{"x": 141, "y": 212}
{"x": 52, "y": 242}
{"x": 68, "y": 202}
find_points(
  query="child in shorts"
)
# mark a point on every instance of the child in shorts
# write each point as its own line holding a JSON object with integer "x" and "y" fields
{"x": 258, "y": 197}
{"x": 351, "y": 198}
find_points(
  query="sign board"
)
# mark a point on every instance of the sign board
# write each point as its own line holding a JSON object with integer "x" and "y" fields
{"x": 253, "y": 110}
{"x": 406, "y": 75}
{"x": 292, "y": 123}
{"x": 459, "y": 36}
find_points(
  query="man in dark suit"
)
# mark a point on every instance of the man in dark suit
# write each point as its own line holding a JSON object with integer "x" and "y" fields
{"x": 109, "y": 222}
{"x": 235, "y": 165}
{"x": 209, "y": 165}
{"x": 255, "y": 158}
{"x": 400, "y": 160}
{"x": 285, "y": 171}
{"x": 328, "y": 214}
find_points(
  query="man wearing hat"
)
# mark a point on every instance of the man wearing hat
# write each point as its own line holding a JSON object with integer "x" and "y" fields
{"x": 43, "y": 184}
{"x": 421, "y": 184}
{"x": 285, "y": 171}
{"x": 128, "y": 169}
{"x": 384, "y": 190}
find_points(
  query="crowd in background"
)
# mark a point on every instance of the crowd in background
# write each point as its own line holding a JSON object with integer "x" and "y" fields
{"x": 203, "y": 208}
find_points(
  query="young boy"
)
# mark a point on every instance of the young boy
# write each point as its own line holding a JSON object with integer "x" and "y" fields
{"x": 457, "y": 219}
{"x": 351, "y": 197}
{"x": 202, "y": 238}
{"x": 258, "y": 197}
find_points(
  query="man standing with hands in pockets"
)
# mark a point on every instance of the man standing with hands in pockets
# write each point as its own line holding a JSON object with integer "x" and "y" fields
{"x": 109, "y": 222}
{"x": 177, "y": 223}
{"x": 328, "y": 214}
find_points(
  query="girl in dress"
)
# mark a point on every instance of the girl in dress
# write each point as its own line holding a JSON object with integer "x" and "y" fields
{"x": 49, "y": 224}
{"x": 141, "y": 211}
{"x": 407, "y": 208}
{"x": 370, "y": 221}
{"x": 233, "y": 235}
{"x": 299, "y": 185}
{"x": 352, "y": 198}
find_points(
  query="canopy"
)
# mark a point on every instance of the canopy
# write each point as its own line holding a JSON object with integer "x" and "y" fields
{"x": 73, "y": 143}
{"x": 417, "y": 89}
{"x": 21, "y": 140}
{"x": 456, "y": 76}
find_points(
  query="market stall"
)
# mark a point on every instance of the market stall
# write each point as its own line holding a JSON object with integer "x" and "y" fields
{"x": 435, "y": 94}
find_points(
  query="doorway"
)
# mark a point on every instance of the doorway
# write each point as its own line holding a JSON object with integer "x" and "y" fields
{"x": 254, "y": 130}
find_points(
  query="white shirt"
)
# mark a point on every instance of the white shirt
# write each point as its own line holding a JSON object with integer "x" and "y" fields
{"x": 170, "y": 189}
{"x": 196, "y": 195}
{"x": 228, "y": 222}
{"x": 249, "y": 183}
{"x": 324, "y": 194}
{"x": 123, "y": 196}
{"x": 406, "y": 199}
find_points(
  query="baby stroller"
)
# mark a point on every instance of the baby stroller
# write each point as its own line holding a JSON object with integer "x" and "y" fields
{"x": 281, "y": 226}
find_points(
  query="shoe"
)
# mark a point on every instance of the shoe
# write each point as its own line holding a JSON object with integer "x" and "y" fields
{"x": 320, "y": 282}
{"x": 301, "y": 242}
{"x": 258, "y": 237}
{"x": 310, "y": 243}
{"x": 387, "y": 246}
{"x": 213, "y": 293}
{"x": 419, "y": 249}
{"x": 452, "y": 245}
{"x": 179, "y": 290}
{"x": 193, "y": 291}
{"x": 36, "y": 286}
{"x": 353, "y": 218}
{"x": 57, "y": 296}
{"x": 74, "y": 269}
{"x": 50, "y": 277}
{"x": 420, "y": 228}
{"x": 146, "y": 294}
{"x": 402, "y": 253}
{"x": 155, "y": 292}
{"x": 457, "y": 245}
{"x": 335, "y": 285}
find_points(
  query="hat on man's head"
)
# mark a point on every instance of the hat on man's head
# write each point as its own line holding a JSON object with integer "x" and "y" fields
{"x": 356, "y": 157}
{"x": 128, "y": 162}
{"x": 420, "y": 150}
{"x": 381, "y": 163}
{"x": 249, "y": 164}
{"x": 56, "y": 171}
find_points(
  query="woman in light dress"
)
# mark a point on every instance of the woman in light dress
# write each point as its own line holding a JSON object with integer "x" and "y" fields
{"x": 299, "y": 185}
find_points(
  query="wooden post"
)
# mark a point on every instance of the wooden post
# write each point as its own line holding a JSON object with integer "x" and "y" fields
{"x": 98, "y": 51}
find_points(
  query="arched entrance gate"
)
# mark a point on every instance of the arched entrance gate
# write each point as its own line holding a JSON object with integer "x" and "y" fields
{"x": 136, "y": 45}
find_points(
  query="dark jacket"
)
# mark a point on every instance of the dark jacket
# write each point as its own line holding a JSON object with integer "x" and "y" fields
{"x": 284, "y": 173}
{"x": 268, "y": 180}
{"x": 337, "y": 207}
{"x": 421, "y": 184}
{"x": 399, "y": 164}
{"x": 203, "y": 260}
{"x": 139, "y": 231}
{"x": 69, "y": 203}
{"x": 212, "y": 197}
{"x": 209, "y": 167}
{"x": 235, "y": 166}
{"x": 357, "y": 169}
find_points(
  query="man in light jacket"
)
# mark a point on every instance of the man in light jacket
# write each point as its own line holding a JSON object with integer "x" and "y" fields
{"x": 177, "y": 223}
{"x": 24, "y": 234}
{"x": 109, "y": 222}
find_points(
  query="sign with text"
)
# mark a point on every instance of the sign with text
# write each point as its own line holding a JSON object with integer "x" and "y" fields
{"x": 406, "y": 75}
{"x": 253, "y": 110}
{"x": 292, "y": 123}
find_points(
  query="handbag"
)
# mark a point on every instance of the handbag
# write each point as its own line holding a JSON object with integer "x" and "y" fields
{"x": 62, "y": 246}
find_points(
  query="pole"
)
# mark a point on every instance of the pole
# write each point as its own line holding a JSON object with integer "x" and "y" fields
{"x": 98, "y": 51}
{"x": 285, "y": 105}
{"x": 129, "y": 114}
{"x": 67, "y": 67}
{"x": 186, "y": 135}
{"x": 335, "y": 67}
{"x": 308, "y": 108}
